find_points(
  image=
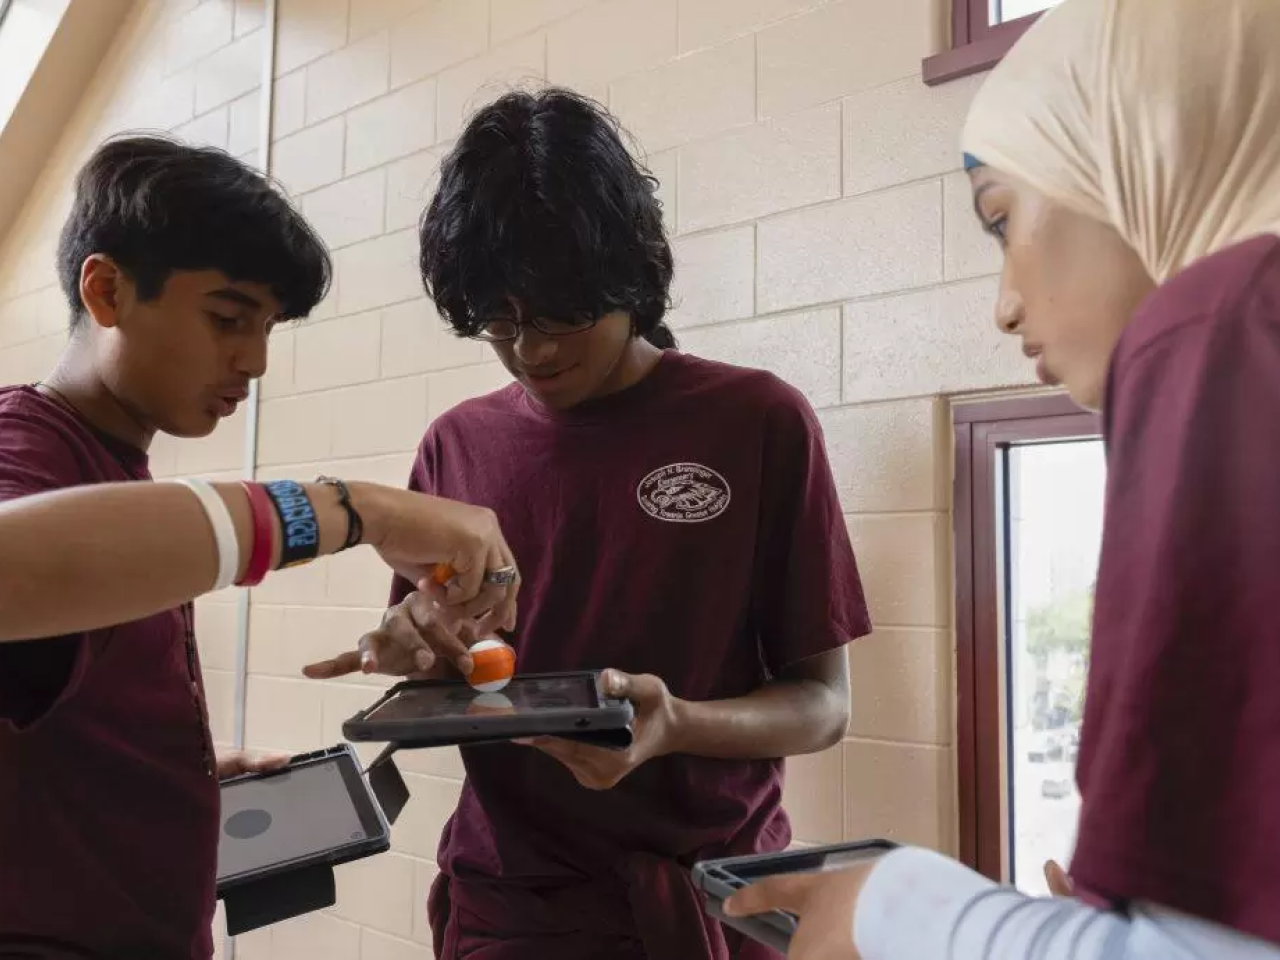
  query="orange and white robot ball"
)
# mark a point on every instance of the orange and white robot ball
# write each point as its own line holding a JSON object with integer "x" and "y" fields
{"x": 493, "y": 665}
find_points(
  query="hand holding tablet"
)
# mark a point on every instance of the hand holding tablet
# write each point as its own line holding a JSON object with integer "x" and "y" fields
{"x": 433, "y": 713}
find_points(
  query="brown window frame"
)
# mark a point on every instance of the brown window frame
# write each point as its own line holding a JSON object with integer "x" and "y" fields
{"x": 976, "y": 43}
{"x": 982, "y": 431}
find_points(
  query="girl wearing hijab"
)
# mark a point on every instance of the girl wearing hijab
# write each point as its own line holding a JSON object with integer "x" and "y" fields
{"x": 1126, "y": 156}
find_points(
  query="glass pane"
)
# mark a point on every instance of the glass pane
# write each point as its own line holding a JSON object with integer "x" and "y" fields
{"x": 1002, "y": 11}
{"x": 1054, "y": 526}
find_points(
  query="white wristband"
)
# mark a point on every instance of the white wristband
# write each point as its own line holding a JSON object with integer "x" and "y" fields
{"x": 224, "y": 530}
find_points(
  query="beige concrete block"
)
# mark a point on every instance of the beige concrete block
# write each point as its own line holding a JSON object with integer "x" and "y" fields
{"x": 411, "y": 183}
{"x": 941, "y": 340}
{"x": 768, "y": 168}
{"x": 424, "y": 875}
{"x": 308, "y": 30}
{"x": 968, "y": 251}
{"x": 250, "y": 15}
{"x": 803, "y": 349}
{"x": 335, "y": 353}
{"x": 370, "y": 16}
{"x": 451, "y": 387}
{"x": 278, "y": 380}
{"x": 705, "y": 23}
{"x": 297, "y": 585}
{"x": 377, "y": 892}
{"x": 902, "y": 132}
{"x": 379, "y": 946}
{"x": 392, "y": 126}
{"x": 317, "y": 936}
{"x": 903, "y": 560}
{"x": 416, "y": 340}
{"x": 19, "y": 320}
{"x": 245, "y": 124}
{"x": 715, "y": 90}
{"x": 885, "y": 455}
{"x": 255, "y": 945}
{"x": 898, "y": 792}
{"x": 221, "y": 450}
{"x": 197, "y": 34}
{"x": 841, "y": 49}
{"x": 295, "y": 429}
{"x": 232, "y": 72}
{"x": 28, "y": 362}
{"x": 219, "y": 693}
{"x": 445, "y": 763}
{"x": 216, "y": 633}
{"x": 432, "y": 802}
{"x": 900, "y": 686}
{"x": 663, "y": 167}
{"x": 283, "y": 714}
{"x": 883, "y": 242}
{"x": 579, "y": 57}
{"x": 208, "y": 130}
{"x": 284, "y": 639}
{"x": 357, "y": 578}
{"x": 350, "y": 210}
{"x": 378, "y": 272}
{"x": 469, "y": 86}
{"x": 714, "y": 278}
{"x": 514, "y": 18}
{"x": 441, "y": 34}
{"x": 384, "y": 417}
{"x": 813, "y": 796}
{"x": 289, "y": 104}
{"x": 348, "y": 77}
{"x": 308, "y": 160}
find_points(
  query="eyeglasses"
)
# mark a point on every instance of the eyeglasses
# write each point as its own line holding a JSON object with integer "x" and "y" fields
{"x": 507, "y": 328}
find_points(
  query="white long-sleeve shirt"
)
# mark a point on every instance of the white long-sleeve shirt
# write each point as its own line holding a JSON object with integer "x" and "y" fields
{"x": 918, "y": 905}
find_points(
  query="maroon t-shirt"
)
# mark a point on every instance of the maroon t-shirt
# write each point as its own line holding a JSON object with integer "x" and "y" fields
{"x": 108, "y": 796}
{"x": 1180, "y": 752}
{"x": 687, "y": 527}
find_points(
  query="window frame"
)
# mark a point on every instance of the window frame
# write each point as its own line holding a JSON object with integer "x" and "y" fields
{"x": 976, "y": 43}
{"x": 981, "y": 431}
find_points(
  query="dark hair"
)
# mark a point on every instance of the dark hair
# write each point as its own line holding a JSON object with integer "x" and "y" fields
{"x": 154, "y": 206}
{"x": 541, "y": 202}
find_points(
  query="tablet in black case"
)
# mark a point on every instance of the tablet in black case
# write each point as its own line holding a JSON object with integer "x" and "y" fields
{"x": 434, "y": 713}
{"x": 318, "y": 811}
{"x": 720, "y": 879}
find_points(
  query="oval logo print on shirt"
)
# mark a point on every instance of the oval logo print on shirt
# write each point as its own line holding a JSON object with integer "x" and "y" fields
{"x": 684, "y": 493}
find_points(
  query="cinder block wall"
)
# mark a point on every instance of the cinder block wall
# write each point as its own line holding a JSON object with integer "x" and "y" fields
{"x": 822, "y": 231}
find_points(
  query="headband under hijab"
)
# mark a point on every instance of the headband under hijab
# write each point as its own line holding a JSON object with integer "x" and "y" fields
{"x": 1160, "y": 117}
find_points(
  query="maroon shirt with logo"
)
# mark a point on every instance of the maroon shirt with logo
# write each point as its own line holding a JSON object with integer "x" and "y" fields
{"x": 1180, "y": 752}
{"x": 108, "y": 798}
{"x": 687, "y": 527}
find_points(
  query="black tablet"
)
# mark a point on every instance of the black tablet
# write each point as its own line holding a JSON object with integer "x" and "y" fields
{"x": 720, "y": 879}
{"x": 318, "y": 810}
{"x": 433, "y": 713}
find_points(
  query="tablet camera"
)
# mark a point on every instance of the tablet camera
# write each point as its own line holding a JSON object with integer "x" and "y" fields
{"x": 247, "y": 824}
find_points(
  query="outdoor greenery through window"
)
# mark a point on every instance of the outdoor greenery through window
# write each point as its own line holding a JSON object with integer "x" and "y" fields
{"x": 1053, "y": 501}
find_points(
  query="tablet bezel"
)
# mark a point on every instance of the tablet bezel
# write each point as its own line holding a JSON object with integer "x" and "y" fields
{"x": 607, "y": 724}
{"x": 377, "y": 837}
{"x": 720, "y": 879}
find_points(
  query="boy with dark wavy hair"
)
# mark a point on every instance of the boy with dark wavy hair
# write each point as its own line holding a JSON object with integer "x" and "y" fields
{"x": 675, "y": 520}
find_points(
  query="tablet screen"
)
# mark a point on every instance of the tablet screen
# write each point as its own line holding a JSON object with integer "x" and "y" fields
{"x": 286, "y": 816}
{"x": 523, "y": 695}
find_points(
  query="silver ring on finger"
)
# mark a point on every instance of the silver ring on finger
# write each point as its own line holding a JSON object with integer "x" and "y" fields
{"x": 501, "y": 577}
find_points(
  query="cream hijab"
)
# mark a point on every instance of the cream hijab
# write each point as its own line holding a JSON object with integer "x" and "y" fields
{"x": 1161, "y": 117}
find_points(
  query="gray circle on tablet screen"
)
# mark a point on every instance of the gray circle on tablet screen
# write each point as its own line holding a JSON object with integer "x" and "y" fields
{"x": 247, "y": 824}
